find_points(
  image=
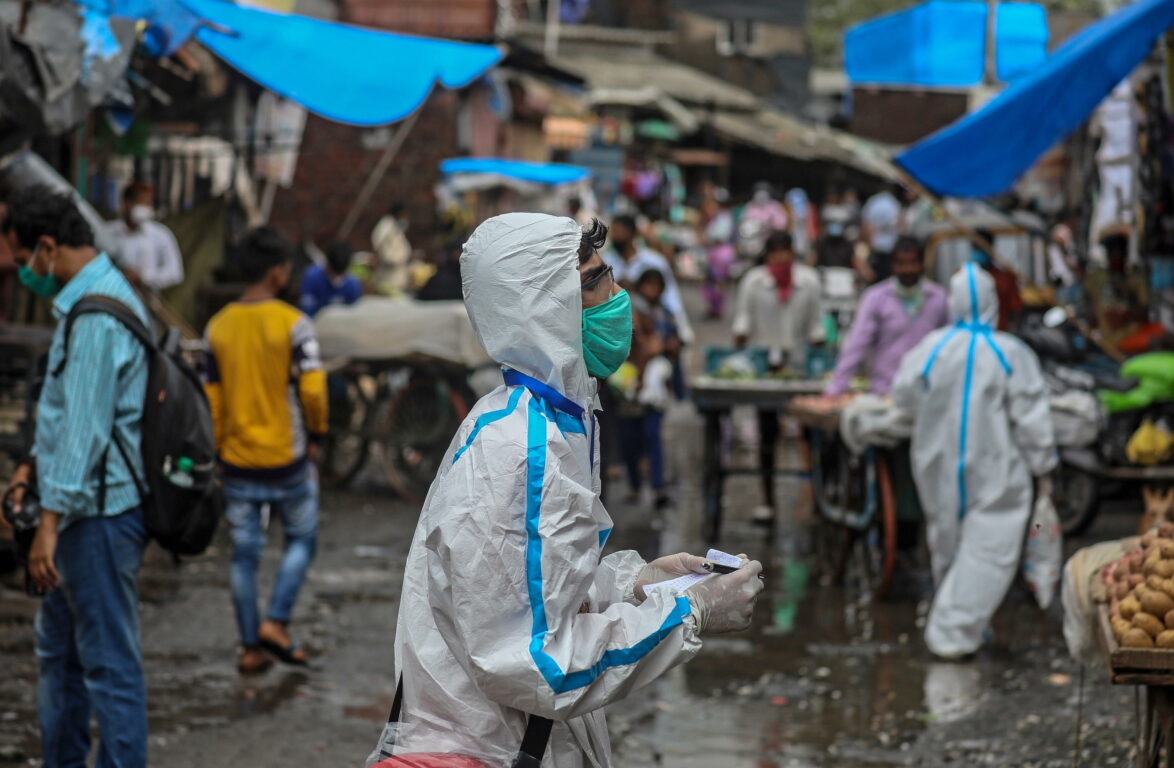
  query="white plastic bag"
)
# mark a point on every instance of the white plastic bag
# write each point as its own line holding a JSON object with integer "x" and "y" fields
{"x": 1044, "y": 553}
{"x": 655, "y": 390}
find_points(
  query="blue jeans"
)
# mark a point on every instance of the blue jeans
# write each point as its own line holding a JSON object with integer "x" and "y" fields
{"x": 641, "y": 436}
{"x": 296, "y": 501}
{"x": 87, "y": 637}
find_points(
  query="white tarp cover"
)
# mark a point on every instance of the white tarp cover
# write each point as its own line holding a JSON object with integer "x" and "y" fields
{"x": 378, "y": 328}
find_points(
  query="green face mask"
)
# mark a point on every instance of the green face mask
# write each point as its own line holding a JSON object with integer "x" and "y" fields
{"x": 46, "y": 286}
{"x": 607, "y": 335}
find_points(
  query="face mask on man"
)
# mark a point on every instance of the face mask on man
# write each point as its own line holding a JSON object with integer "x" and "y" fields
{"x": 140, "y": 214}
{"x": 607, "y": 335}
{"x": 47, "y": 285}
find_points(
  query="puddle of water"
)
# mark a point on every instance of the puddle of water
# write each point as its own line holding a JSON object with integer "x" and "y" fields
{"x": 820, "y": 680}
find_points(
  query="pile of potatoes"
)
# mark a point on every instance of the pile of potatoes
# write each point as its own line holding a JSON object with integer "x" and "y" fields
{"x": 1140, "y": 587}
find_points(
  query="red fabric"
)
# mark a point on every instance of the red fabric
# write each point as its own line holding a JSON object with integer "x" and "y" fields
{"x": 782, "y": 272}
{"x": 430, "y": 760}
{"x": 1138, "y": 342}
{"x": 1007, "y": 289}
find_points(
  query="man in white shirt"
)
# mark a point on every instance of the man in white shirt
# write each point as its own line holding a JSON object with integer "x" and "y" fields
{"x": 628, "y": 261}
{"x": 147, "y": 252}
{"x": 777, "y": 307}
{"x": 881, "y": 224}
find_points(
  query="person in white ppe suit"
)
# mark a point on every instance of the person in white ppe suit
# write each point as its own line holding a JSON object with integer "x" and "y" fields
{"x": 508, "y": 613}
{"x": 982, "y": 430}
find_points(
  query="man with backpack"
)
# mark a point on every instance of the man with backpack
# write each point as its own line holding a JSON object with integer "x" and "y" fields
{"x": 88, "y": 545}
{"x": 267, "y": 388}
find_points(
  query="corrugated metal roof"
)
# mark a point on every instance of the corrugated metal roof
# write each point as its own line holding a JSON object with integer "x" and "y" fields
{"x": 780, "y": 134}
{"x": 611, "y": 69}
{"x": 785, "y": 12}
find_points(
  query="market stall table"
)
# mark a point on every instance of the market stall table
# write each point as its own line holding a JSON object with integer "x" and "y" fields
{"x": 714, "y": 398}
{"x": 1153, "y": 669}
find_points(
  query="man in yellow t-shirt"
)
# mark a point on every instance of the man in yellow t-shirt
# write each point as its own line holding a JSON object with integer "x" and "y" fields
{"x": 267, "y": 389}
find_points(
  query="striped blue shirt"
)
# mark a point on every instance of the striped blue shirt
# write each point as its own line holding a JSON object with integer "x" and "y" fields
{"x": 101, "y": 390}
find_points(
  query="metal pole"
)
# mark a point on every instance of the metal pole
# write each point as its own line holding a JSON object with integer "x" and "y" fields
{"x": 377, "y": 174}
{"x": 550, "y": 47}
{"x": 991, "y": 68}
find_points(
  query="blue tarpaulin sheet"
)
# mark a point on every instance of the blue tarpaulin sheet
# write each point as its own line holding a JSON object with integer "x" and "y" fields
{"x": 345, "y": 73}
{"x": 169, "y": 23}
{"x": 983, "y": 153}
{"x": 942, "y": 43}
{"x": 540, "y": 173}
{"x": 341, "y": 72}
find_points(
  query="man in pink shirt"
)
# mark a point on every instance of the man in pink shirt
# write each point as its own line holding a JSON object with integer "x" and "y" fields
{"x": 893, "y": 316}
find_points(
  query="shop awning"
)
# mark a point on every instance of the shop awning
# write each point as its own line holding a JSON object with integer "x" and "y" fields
{"x": 781, "y": 134}
{"x": 517, "y": 170}
{"x": 341, "y": 72}
{"x": 637, "y": 78}
{"x": 983, "y": 153}
{"x": 344, "y": 73}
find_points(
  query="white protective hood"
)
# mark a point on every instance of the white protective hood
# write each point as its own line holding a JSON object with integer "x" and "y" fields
{"x": 974, "y": 302}
{"x": 521, "y": 285}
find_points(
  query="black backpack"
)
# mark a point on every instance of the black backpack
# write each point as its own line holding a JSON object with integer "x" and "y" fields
{"x": 177, "y": 423}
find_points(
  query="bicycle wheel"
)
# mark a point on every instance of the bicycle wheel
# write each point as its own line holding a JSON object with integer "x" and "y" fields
{"x": 887, "y": 522}
{"x": 874, "y": 546}
{"x": 840, "y": 491}
{"x": 419, "y": 425}
{"x": 346, "y": 445}
{"x": 866, "y": 561}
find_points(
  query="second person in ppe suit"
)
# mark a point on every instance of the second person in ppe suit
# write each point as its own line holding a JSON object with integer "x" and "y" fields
{"x": 508, "y": 609}
{"x": 982, "y": 430}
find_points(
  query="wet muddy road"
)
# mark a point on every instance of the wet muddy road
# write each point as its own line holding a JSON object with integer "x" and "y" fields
{"x": 822, "y": 679}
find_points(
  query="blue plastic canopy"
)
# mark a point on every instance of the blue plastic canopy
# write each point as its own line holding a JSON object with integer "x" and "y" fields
{"x": 521, "y": 170}
{"x": 943, "y": 44}
{"x": 170, "y": 24}
{"x": 344, "y": 73}
{"x": 983, "y": 153}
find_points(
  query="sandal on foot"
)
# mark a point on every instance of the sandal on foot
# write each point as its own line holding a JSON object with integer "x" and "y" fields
{"x": 253, "y": 661}
{"x": 287, "y": 654}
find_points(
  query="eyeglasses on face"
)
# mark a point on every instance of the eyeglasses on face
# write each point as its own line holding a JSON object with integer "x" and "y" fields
{"x": 591, "y": 283}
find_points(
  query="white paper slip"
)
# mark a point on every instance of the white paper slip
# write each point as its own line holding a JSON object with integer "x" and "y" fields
{"x": 682, "y": 583}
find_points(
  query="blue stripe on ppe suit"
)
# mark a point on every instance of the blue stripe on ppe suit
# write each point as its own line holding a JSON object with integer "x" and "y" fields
{"x": 559, "y": 680}
{"x": 977, "y": 329}
{"x": 486, "y": 419}
{"x": 566, "y": 414}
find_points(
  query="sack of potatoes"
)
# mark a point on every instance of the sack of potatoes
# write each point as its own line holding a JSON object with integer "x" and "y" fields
{"x": 1140, "y": 587}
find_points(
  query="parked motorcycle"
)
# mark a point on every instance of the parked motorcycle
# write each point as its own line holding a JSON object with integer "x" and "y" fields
{"x": 1091, "y": 443}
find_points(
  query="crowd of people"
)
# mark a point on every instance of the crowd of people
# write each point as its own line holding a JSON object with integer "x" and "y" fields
{"x": 571, "y": 309}
{"x": 973, "y": 394}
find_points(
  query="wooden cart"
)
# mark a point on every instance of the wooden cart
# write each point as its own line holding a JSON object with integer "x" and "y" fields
{"x": 1152, "y": 670}
{"x": 714, "y": 399}
{"x": 854, "y": 499}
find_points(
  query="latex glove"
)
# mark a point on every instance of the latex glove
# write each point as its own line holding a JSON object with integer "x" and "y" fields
{"x": 725, "y": 603}
{"x": 666, "y": 568}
